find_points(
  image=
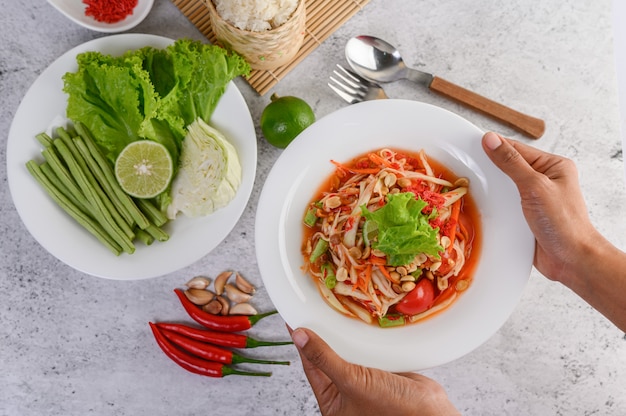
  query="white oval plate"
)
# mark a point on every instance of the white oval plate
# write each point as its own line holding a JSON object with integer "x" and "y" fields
{"x": 75, "y": 11}
{"x": 507, "y": 246}
{"x": 190, "y": 238}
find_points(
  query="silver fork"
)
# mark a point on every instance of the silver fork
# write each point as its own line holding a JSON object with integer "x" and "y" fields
{"x": 354, "y": 88}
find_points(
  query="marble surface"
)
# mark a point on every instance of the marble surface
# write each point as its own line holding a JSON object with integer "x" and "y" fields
{"x": 75, "y": 344}
{"x": 619, "y": 42}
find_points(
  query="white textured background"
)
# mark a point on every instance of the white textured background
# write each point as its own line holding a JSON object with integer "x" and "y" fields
{"x": 73, "y": 344}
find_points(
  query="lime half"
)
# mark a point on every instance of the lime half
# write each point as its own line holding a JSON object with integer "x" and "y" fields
{"x": 144, "y": 169}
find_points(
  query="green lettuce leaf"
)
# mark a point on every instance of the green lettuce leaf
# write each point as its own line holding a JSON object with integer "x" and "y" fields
{"x": 403, "y": 230}
{"x": 201, "y": 76}
{"x": 110, "y": 98}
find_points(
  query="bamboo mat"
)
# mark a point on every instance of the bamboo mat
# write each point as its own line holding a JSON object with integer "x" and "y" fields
{"x": 323, "y": 18}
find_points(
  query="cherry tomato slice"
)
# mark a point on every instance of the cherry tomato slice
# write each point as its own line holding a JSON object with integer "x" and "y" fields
{"x": 418, "y": 300}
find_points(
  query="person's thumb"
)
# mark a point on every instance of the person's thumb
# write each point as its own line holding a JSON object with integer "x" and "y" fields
{"x": 318, "y": 352}
{"x": 506, "y": 157}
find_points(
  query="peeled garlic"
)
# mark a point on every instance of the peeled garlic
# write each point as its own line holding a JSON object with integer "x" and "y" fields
{"x": 235, "y": 294}
{"x": 214, "y": 307}
{"x": 220, "y": 281}
{"x": 198, "y": 282}
{"x": 243, "y": 309}
{"x": 225, "y": 305}
{"x": 199, "y": 297}
{"x": 243, "y": 285}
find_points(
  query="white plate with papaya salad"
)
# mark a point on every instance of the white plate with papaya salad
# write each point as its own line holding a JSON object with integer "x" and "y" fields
{"x": 189, "y": 238}
{"x": 386, "y": 229}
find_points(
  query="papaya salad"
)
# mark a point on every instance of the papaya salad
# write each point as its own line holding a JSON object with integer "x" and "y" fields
{"x": 391, "y": 237}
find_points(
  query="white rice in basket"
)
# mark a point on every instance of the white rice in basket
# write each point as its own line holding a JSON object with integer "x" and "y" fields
{"x": 256, "y": 15}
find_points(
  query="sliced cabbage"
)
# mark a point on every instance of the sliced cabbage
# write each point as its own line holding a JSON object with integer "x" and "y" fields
{"x": 209, "y": 172}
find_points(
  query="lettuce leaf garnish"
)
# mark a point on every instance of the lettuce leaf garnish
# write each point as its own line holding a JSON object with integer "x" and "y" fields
{"x": 403, "y": 230}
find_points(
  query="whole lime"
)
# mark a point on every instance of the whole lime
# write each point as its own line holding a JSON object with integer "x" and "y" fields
{"x": 284, "y": 118}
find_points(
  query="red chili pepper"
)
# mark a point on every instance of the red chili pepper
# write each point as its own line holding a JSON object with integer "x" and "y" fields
{"x": 232, "y": 323}
{"x": 225, "y": 339}
{"x": 195, "y": 364}
{"x": 212, "y": 352}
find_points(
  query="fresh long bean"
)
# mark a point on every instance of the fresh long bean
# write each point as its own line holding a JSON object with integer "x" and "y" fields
{"x": 155, "y": 216}
{"x": 61, "y": 171}
{"x": 138, "y": 216}
{"x": 104, "y": 183}
{"x": 69, "y": 178}
{"x": 107, "y": 206}
{"x": 81, "y": 180}
{"x": 144, "y": 236}
{"x": 101, "y": 212}
{"x": 60, "y": 185}
{"x": 44, "y": 139}
{"x": 63, "y": 134}
{"x": 83, "y": 219}
{"x": 157, "y": 233}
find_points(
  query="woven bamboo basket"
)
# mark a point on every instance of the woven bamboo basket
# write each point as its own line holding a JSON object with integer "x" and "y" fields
{"x": 263, "y": 50}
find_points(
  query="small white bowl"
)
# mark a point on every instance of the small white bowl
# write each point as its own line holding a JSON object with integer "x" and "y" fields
{"x": 75, "y": 11}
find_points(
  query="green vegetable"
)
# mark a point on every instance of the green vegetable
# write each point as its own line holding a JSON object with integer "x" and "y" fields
{"x": 99, "y": 210}
{"x": 310, "y": 218}
{"x": 88, "y": 223}
{"x": 370, "y": 232}
{"x": 149, "y": 93}
{"x": 153, "y": 214}
{"x": 320, "y": 248}
{"x": 201, "y": 73}
{"x": 390, "y": 321}
{"x": 403, "y": 230}
{"x": 330, "y": 279}
{"x": 210, "y": 173}
{"x": 78, "y": 178}
{"x": 106, "y": 177}
{"x": 113, "y": 97}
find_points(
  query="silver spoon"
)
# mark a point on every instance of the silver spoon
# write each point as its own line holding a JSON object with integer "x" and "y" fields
{"x": 379, "y": 61}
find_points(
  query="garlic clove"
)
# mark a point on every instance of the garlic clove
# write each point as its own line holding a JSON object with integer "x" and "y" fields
{"x": 243, "y": 309}
{"x": 221, "y": 280}
{"x": 198, "y": 282}
{"x": 243, "y": 285}
{"x": 214, "y": 307}
{"x": 199, "y": 297}
{"x": 235, "y": 294}
{"x": 225, "y": 305}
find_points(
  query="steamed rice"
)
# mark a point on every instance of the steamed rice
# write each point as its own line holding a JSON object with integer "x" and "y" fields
{"x": 256, "y": 15}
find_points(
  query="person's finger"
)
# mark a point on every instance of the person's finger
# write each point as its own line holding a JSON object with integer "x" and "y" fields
{"x": 318, "y": 353}
{"x": 309, "y": 368}
{"x": 320, "y": 383}
{"x": 413, "y": 376}
{"x": 514, "y": 160}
